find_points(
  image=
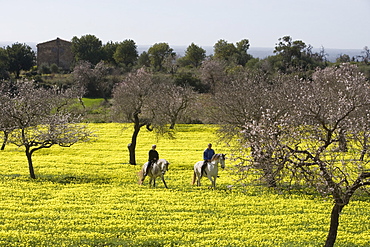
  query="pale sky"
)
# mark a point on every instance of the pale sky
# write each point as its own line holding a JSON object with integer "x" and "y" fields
{"x": 342, "y": 24}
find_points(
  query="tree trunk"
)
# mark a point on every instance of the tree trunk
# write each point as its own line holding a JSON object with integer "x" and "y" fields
{"x": 270, "y": 178}
{"x": 131, "y": 149}
{"x": 132, "y": 145}
{"x": 364, "y": 147}
{"x": 334, "y": 224}
{"x": 264, "y": 162}
{"x": 342, "y": 141}
{"x": 6, "y": 134}
{"x": 81, "y": 102}
{"x": 30, "y": 165}
{"x": 173, "y": 120}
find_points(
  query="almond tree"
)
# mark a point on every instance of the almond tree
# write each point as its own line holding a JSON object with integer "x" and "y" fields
{"x": 292, "y": 128}
{"x": 360, "y": 133}
{"x": 92, "y": 79}
{"x": 212, "y": 73}
{"x": 133, "y": 102}
{"x": 6, "y": 124}
{"x": 40, "y": 119}
{"x": 146, "y": 100}
{"x": 172, "y": 107}
{"x": 334, "y": 100}
{"x": 251, "y": 113}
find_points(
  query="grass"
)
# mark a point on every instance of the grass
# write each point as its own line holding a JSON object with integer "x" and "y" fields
{"x": 96, "y": 110}
{"x": 87, "y": 195}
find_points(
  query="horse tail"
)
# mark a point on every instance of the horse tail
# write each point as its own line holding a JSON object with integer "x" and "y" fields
{"x": 194, "y": 177}
{"x": 140, "y": 174}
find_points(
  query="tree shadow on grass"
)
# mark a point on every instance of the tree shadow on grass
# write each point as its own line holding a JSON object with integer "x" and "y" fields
{"x": 67, "y": 179}
{"x": 10, "y": 176}
{"x": 75, "y": 179}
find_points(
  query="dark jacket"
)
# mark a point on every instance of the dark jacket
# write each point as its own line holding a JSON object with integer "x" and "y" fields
{"x": 153, "y": 155}
{"x": 208, "y": 153}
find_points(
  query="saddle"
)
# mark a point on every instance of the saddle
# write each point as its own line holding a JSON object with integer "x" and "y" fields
{"x": 149, "y": 167}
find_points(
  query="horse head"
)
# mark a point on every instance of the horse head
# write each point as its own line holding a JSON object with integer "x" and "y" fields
{"x": 219, "y": 158}
{"x": 164, "y": 166}
{"x": 222, "y": 160}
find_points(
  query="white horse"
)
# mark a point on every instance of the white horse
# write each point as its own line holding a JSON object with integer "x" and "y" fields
{"x": 211, "y": 170}
{"x": 157, "y": 169}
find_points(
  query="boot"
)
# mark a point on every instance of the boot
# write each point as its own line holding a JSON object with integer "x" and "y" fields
{"x": 203, "y": 169}
{"x": 147, "y": 169}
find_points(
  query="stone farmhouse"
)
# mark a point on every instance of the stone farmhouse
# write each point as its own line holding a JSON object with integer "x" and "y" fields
{"x": 57, "y": 52}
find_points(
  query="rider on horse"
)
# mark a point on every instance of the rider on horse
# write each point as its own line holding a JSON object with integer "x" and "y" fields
{"x": 153, "y": 157}
{"x": 207, "y": 157}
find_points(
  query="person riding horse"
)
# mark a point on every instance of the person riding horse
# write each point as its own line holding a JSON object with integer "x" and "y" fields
{"x": 207, "y": 157}
{"x": 153, "y": 157}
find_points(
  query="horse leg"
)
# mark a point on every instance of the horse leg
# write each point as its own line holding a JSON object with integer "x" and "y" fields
{"x": 164, "y": 182}
{"x": 212, "y": 181}
{"x": 154, "y": 182}
{"x": 194, "y": 177}
{"x": 198, "y": 179}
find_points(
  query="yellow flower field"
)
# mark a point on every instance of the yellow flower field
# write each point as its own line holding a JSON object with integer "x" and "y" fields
{"x": 87, "y": 195}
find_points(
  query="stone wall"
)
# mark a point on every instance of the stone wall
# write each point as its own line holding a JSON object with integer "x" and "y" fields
{"x": 57, "y": 52}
